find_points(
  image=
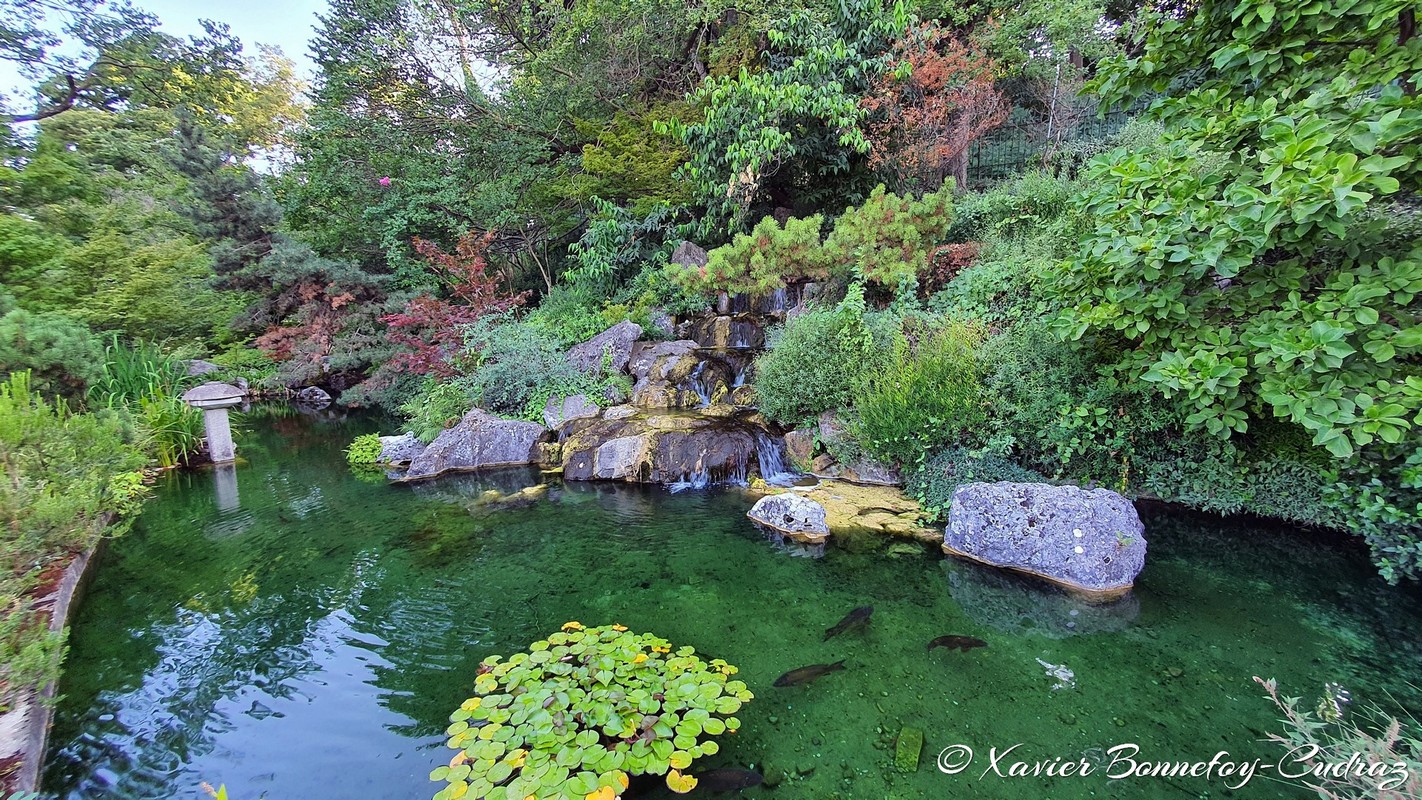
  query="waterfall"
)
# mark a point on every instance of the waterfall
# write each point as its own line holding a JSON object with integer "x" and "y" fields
{"x": 700, "y": 384}
{"x": 770, "y": 453}
{"x": 699, "y": 479}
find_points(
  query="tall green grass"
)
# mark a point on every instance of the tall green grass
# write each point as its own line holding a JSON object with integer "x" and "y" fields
{"x": 149, "y": 384}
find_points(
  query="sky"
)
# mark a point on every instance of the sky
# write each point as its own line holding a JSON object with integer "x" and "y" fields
{"x": 288, "y": 24}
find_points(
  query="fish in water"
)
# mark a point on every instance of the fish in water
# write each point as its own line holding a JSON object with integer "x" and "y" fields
{"x": 803, "y": 675}
{"x": 857, "y": 617}
{"x": 960, "y": 643}
{"x": 728, "y": 779}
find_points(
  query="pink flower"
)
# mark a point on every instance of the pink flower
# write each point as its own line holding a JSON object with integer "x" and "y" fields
{"x": 385, "y": 182}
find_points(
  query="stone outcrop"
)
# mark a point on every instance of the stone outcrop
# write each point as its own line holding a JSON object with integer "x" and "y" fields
{"x": 197, "y": 367}
{"x": 691, "y": 255}
{"x": 800, "y": 447}
{"x": 791, "y": 515}
{"x": 560, "y": 410}
{"x": 617, "y": 342}
{"x": 667, "y": 448}
{"x": 724, "y": 331}
{"x": 479, "y": 440}
{"x": 1091, "y": 541}
{"x": 314, "y": 397}
{"x": 400, "y": 449}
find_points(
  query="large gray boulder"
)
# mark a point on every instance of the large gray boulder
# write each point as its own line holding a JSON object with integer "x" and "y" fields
{"x": 559, "y": 410}
{"x": 400, "y": 449}
{"x": 793, "y": 516}
{"x": 1088, "y": 540}
{"x": 479, "y": 440}
{"x": 617, "y": 341}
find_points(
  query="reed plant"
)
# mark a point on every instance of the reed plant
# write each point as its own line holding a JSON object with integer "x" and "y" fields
{"x": 149, "y": 383}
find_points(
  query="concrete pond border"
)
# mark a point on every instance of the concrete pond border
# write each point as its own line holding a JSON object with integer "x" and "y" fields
{"x": 24, "y": 730}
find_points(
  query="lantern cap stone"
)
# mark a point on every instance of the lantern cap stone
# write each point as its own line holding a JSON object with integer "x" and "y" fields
{"x": 214, "y": 395}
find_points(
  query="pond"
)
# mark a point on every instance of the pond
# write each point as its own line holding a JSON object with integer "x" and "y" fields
{"x": 311, "y": 640}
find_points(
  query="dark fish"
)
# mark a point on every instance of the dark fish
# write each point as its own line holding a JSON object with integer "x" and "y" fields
{"x": 858, "y": 616}
{"x": 727, "y": 780}
{"x": 796, "y": 677}
{"x": 960, "y": 643}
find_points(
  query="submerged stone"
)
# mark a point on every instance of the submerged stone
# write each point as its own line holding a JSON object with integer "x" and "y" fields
{"x": 1088, "y": 540}
{"x": 907, "y": 749}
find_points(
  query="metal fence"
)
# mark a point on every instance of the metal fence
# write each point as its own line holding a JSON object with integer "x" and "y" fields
{"x": 1029, "y": 139}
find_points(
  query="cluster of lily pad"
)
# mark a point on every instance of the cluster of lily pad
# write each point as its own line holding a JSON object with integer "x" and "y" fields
{"x": 583, "y": 710}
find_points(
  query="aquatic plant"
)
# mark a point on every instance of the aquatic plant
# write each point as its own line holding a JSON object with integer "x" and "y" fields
{"x": 1317, "y": 741}
{"x": 583, "y": 710}
{"x": 364, "y": 450}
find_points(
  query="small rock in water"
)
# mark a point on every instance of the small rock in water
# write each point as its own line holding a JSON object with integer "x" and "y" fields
{"x": 907, "y": 749}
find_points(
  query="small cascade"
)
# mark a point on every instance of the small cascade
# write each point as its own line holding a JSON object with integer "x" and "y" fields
{"x": 770, "y": 454}
{"x": 704, "y": 384}
{"x": 699, "y": 479}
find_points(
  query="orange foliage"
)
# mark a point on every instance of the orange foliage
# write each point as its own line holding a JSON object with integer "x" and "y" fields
{"x": 922, "y": 125}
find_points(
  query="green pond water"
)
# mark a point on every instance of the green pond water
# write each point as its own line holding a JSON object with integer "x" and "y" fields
{"x": 310, "y": 641}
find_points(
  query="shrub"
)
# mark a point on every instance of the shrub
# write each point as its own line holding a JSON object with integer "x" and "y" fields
{"x": 568, "y": 316}
{"x": 933, "y": 481}
{"x": 438, "y": 405}
{"x": 148, "y": 383}
{"x": 886, "y": 241}
{"x": 61, "y": 354}
{"x": 926, "y": 396}
{"x": 1024, "y": 203}
{"x": 761, "y": 261}
{"x": 69, "y": 479}
{"x": 816, "y": 361}
{"x": 364, "y": 450}
{"x": 519, "y": 367}
{"x": 582, "y": 710}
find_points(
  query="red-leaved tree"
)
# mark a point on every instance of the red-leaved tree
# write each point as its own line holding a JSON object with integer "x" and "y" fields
{"x": 429, "y": 330}
{"x": 936, "y": 99}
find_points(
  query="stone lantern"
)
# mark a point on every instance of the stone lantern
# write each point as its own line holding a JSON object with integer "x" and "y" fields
{"x": 214, "y": 399}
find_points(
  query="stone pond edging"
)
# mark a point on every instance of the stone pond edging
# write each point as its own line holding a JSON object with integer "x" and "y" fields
{"x": 24, "y": 730}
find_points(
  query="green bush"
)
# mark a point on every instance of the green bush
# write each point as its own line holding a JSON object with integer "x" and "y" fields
{"x": 886, "y": 241}
{"x": 364, "y": 450}
{"x": 888, "y": 238}
{"x": 817, "y": 360}
{"x": 520, "y": 367}
{"x": 436, "y": 406}
{"x": 583, "y": 710}
{"x": 69, "y": 479}
{"x": 61, "y": 353}
{"x": 568, "y": 316}
{"x": 1025, "y": 203}
{"x": 926, "y": 396}
{"x": 761, "y": 261}
{"x": 934, "y": 480}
